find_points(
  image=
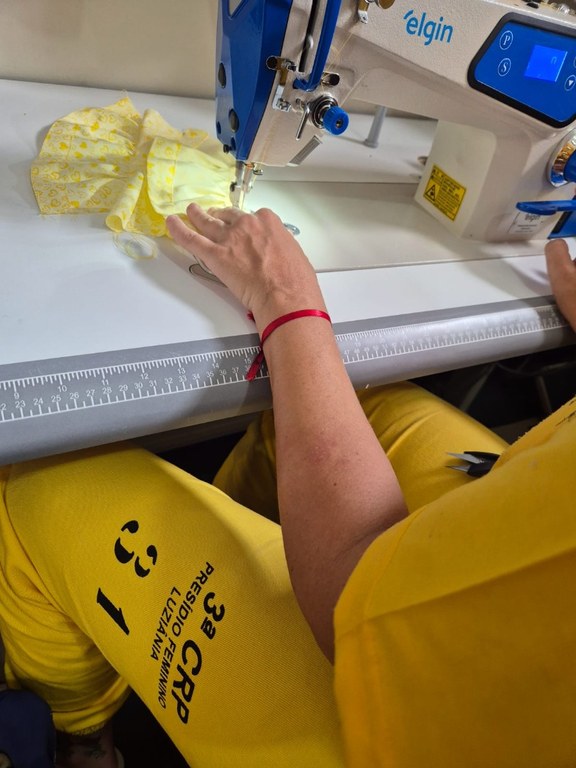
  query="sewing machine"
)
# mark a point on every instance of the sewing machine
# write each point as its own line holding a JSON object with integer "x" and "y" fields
{"x": 98, "y": 347}
{"x": 498, "y": 75}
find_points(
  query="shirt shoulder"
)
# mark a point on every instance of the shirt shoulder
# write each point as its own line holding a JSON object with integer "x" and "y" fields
{"x": 456, "y": 620}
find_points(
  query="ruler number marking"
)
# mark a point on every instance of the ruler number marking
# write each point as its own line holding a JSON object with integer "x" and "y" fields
{"x": 89, "y": 388}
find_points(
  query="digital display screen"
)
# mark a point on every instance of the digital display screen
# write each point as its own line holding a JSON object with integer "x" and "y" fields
{"x": 530, "y": 65}
{"x": 545, "y": 63}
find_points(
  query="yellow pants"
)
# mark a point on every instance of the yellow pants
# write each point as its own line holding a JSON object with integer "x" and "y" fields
{"x": 119, "y": 570}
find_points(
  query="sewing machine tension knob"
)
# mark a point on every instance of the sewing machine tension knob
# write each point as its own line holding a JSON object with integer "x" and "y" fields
{"x": 335, "y": 120}
{"x": 325, "y": 113}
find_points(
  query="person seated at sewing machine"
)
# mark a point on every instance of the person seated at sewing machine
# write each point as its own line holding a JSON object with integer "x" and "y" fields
{"x": 403, "y": 614}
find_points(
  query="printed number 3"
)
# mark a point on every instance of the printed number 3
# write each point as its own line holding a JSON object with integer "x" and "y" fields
{"x": 125, "y": 556}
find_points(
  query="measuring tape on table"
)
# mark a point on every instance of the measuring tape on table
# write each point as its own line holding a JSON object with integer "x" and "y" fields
{"x": 55, "y": 405}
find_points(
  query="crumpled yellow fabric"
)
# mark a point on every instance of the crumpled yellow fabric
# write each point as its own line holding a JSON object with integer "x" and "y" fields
{"x": 136, "y": 168}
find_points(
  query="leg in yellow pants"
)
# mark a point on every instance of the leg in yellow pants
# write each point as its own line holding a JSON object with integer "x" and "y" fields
{"x": 119, "y": 570}
{"x": 116, "y": 560}
{"x": 415, "y": 428}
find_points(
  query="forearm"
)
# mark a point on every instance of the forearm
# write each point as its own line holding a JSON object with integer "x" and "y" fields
{"x": 336, "y": 488}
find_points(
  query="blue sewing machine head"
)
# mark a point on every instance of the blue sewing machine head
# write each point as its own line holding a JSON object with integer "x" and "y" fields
{"x": 248, "y": 33}
{"x": 251, "y": 39}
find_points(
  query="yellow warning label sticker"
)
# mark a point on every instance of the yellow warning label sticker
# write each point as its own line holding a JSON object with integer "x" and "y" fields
{"x": 444, "y": 193}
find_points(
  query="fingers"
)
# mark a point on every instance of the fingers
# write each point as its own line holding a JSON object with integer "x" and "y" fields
{"x": 195, "y": 243}
{"x": 558, "y": 249}
{"x": 204, "y": 222}
{"x": 226, "y": 215}
{"x": 559, "y": 263}
{"x": 562, "y": 274}
{"x": 557, "y": 245}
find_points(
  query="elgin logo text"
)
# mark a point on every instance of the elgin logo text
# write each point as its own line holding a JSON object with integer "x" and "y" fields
{"x": 429, "y": 30}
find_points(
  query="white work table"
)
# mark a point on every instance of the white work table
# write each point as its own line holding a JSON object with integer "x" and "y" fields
{"x": 84, "y": 328}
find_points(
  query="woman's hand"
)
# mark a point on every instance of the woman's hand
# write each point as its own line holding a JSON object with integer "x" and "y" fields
{"x": 562, "y": 274}
{"x": 254, "y": 255}
{"x": 331, "y": 506}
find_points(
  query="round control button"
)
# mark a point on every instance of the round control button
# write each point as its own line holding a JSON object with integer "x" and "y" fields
{"x": 504, "y": 67}
{"x": 506, "y": 39}
{"x": 570, "y": 82}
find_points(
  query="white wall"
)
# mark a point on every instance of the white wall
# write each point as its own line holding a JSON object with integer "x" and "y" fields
{"x": 166, "y": 46}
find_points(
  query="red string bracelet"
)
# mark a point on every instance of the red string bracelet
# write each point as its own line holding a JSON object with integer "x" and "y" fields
{"x": 259, "y": 359}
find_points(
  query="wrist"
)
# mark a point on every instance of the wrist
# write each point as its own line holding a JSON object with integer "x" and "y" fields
{"x": 277, "y": 323}
{"x": 278, "y": 304}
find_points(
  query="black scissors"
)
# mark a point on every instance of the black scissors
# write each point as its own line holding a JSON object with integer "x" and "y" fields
{"x": 478, "y": 463}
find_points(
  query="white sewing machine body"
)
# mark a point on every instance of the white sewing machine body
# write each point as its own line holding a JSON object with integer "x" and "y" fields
{"x": 500, "y": 77}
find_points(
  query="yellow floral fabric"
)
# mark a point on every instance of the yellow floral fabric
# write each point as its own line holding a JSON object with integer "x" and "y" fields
{"x": 136, "y": 168}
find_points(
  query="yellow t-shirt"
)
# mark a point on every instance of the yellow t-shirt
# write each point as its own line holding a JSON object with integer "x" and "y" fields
{"x": 456, "y": 633}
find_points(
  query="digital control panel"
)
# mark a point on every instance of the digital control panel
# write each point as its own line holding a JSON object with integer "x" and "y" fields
{"x": 530, "y": 65}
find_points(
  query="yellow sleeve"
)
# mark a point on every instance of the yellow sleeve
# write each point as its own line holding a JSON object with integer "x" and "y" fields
{"x": 455, "y": 633}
